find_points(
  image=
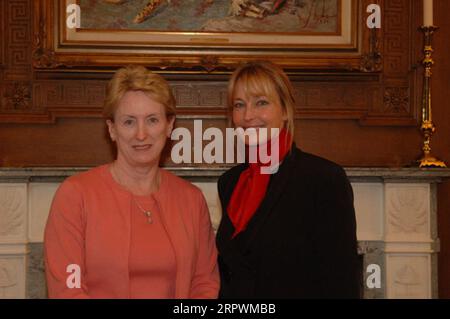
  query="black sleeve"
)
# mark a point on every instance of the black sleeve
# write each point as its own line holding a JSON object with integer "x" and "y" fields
{"x": 220, "y": 188}
{"x": 226, "y": 182}
{"x": 338, "y": 264}
{"x": 223, "y": 191}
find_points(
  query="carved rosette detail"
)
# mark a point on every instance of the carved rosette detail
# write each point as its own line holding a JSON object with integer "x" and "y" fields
{"x": 396, "y": 99}
{"x": 17, "y": 96}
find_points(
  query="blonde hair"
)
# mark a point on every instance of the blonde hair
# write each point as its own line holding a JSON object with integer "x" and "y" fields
{"x": 138, "y": 78}
{"x": 264, "y": 78}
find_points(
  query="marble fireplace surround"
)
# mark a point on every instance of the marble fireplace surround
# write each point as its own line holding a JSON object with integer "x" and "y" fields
{"x": 396, "y": 212}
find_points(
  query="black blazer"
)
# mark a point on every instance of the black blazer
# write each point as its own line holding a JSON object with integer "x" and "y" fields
{"x": 301, "y": 242}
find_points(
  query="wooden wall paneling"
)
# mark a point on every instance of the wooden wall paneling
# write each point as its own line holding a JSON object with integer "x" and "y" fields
{"x": 2, "y": 31}
{"x": 61, "y": 143}
{"x": 318, "y": 97}
{"x": 2, "y": 49}
{"x": 68, "y": 142}
{"x": 204, "y": 94}
{"x": 380, "y": 98}
{"x": 15, "y": 88}
{"x": 395, "y": 105}
{"x": 335, "y": 97}
{"x": 371, "y": 60}
{"x": 17, "y": 15}
{"x": 70, "y": 98}
{"x": 43, "y": 25}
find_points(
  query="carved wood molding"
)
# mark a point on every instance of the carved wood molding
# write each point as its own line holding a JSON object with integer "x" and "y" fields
{"x": 383, "y": 96}
{"x": 2, "y": 55}
{"x": 372, "y": 61}
{"x": 395, "y": 105}
{"x": 16, "y": 15}
{"x": 332, "y": 98}
{"x": 43, "y": 55}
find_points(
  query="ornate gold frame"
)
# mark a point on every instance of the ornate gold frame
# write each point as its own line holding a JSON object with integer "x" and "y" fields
{"x": 55, "y": 49}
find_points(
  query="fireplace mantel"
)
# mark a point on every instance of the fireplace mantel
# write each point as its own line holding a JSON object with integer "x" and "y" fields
{"x": 49, "y": 173}
{"x": 396, "y": 210}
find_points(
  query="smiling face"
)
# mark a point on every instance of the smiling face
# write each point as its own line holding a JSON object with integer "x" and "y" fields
{"x": 260, "y": 95}
{"x": 140, "y": 129}
{"x": 257, "y": 110}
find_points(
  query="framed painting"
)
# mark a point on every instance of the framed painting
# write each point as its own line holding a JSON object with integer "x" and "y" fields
{"x": 197, "y": 34}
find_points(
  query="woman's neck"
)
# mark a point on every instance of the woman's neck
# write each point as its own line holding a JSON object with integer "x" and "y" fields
{"x": 139, "y": 180}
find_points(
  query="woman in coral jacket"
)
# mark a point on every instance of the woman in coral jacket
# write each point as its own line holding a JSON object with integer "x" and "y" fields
{"x": 288, "y": 228}
{"x": 129, "y": 229}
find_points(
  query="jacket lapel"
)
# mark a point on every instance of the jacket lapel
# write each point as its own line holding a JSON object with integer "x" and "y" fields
{"x": 226, "y": 226}
{"x": 172, "y": 220}
{"x": 275, "y": 189}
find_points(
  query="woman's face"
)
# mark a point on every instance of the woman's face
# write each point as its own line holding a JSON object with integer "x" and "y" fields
{"x": 251, "y": 111}
{"x": 140, "y": 129}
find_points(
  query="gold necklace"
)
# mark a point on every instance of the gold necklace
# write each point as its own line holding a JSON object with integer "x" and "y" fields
{"x": 147, "y": 213}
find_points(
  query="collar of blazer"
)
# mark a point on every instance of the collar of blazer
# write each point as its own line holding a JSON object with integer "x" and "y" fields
{"x": 275, "y": 189}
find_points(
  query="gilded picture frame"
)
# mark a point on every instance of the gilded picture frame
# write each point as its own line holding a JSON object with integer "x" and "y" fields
{"x": 58, "y": 45}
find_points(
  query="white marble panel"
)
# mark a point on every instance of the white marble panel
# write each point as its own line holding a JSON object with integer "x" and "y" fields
{"x": 407, "y": 211}
{"x": 368, "y": 200}
{"x": 13, "y": 212}
{"x": 396, "y": 215}
{"x": 409, "y": 247}
{"x": 212, "y": 199}
{"x": 40, "y": 199}
{"x": 408, "y": 276}
{"x": 12, "y": 277}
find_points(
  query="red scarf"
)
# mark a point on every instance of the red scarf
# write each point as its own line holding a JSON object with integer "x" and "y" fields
{"x": 252, "y": 186}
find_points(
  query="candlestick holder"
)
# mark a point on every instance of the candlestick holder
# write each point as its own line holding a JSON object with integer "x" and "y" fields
{"x": 427, "y": 127}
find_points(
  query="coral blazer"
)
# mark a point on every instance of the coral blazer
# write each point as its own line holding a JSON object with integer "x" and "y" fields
{"x": 89, "y": 225}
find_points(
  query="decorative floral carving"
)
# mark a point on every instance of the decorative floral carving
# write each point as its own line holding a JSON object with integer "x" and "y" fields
{"x": 11, "y": 218}
{"x": 396, "y": 99}
{"x": 8, "y": 278}
{"x": 209, "y": 62}
{"x": 42, "y": 57}
{"x": 408, "y": 281}
{"x": 407, "y": 211}
{"x": 372, "y": 61}
{"x": 17, "y": 96}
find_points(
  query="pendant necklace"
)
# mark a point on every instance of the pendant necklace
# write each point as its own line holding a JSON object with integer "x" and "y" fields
{"x": 147, "y": 213}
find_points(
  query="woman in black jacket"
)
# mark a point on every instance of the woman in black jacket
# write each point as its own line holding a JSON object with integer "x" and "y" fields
{"x": 292, "y": 233}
